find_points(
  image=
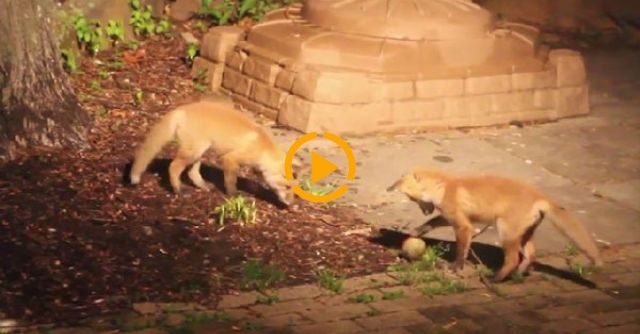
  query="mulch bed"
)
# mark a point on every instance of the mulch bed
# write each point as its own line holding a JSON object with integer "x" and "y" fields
{"x": 77, "y": 241}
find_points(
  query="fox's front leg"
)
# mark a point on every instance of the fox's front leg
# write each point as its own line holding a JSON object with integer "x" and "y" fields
{"x": 464, "y": 232}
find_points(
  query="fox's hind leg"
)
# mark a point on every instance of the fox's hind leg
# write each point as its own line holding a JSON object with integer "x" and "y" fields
{"x": 230, "y": 168}
{"x": 528, "y": 257}
{"x": 176, "y": 167}
{"x": 511, "y": 258}
{"x": 185, "y": 156}
{"x": 516, "y": 234}
{"x": 528, "y": 249}
{"x": 196, "y": 177}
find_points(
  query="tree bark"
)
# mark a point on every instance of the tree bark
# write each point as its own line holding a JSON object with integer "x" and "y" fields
{"x": 38, "y": 106}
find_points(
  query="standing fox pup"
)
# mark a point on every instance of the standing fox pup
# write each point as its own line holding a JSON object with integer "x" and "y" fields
{"x": 232, "y": 135}
{"x": 516, "y": 209}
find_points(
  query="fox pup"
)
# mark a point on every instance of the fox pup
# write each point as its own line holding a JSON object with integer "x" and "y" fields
{"x": 234, "y": 137}
{"x": 516, "y": 208}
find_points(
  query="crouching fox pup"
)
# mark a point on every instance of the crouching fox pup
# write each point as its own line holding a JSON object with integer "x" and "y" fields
{"x": 515, "y": 208}
{"x": 234, "y": 137}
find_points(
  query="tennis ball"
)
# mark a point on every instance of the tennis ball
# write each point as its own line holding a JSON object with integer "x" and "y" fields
{"x": 413, "y": 248}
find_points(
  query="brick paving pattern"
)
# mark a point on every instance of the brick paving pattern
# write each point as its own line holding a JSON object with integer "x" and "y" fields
{"x": 541, "y": 303}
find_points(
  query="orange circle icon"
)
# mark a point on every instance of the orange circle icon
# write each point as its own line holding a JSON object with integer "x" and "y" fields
{"x": 320, "y": 167}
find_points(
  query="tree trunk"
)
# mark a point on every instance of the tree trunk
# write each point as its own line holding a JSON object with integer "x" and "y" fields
{"x": 38, "y": 106}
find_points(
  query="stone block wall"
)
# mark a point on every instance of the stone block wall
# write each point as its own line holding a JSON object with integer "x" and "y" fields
{"x": 213, "y": 54}
{"x": 310, "y": 98}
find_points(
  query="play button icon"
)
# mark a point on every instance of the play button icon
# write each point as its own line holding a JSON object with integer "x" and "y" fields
{"x": 321, "y": 167}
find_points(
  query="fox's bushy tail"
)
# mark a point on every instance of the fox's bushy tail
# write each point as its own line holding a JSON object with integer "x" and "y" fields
{"x": 575, "y": 231}
{"x": 159, "y": 135}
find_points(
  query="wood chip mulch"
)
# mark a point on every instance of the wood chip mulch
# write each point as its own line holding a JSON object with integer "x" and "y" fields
{"x": 77, "y": 241}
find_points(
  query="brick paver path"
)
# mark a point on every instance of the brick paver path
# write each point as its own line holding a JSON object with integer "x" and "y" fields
{"x": 542, "y": 303}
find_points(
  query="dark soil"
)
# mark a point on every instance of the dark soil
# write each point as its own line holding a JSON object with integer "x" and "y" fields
{"x": 77, "y": 241}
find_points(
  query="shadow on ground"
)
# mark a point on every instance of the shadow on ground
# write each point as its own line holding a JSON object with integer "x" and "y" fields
{"x": 211, "y": 174}
{"x": 488, "y": 255}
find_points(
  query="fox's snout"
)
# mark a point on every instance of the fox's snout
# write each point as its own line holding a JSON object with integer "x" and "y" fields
{"x": 286, "y": 197}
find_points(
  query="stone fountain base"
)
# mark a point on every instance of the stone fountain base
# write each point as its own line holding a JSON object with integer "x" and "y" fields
{"x": 346, "y": 101}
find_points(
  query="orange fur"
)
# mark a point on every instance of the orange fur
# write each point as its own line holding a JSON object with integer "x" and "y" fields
{"x": 233, "y": 136}
{"x": 514, "y": 207}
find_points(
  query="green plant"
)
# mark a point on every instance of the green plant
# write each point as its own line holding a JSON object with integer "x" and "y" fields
{"x": 246, "y": 6}
{"x": 516, "y": 277}
{"x": 125, "y": 326}
{"x": 439, "y": 284}
{"x": 103, "y": 74}
{"x": 414, "y": 272}
{"x": 391, "y": 295}
{"x": 237, "y": 209}
{"x": 427, "y": 262}
{"x": 256, "y": 9}
{"x": 69, "y": 60}
{"x": 317, "y": 190}
{"x": 268, "y": 299}
{"x": 183, "y": 329}
{"x": 46, "y": 329}
{"x": 115, "y": 31}
{"x": 200, "y": 81}
{"x": 89, "y": 34}
{"x": 138, "y": 96}
{"x": 485, "y": 271}
{"x": 251, "y": 325}
{"x": 375, "y": 283}
{"x": 228, "y": 11}
{"x": 192, "y": 51}
{"x": 329, "y": 280}
{"x": 432, "y": 255}
{"x": 116, "y": 64}
{"x": 363, "y": 298}
{"x": 258, "y": 275}
{"x": 220, "y": 13}
{"x": 571, "y": 250}
{"x": 133, "y": 45}
{"x": 373, "y": 312}
{"x": 580, "y": 269}
{"x": 196, "y": 317}
{"x": 141, "y": 20}
{"x": 191, "y": 286}
{"x": 95, "y": 85}
{"x": 193, "y": 318}
{"x": 200, "y": 25}
{"x": 163, "y": 27}
{"x": 446, "y": 288}
{"x": 410, "y": 278}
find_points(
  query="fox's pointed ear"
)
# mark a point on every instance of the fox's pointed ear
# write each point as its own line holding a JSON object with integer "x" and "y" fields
{"x": 415, "y": 177}
{"x": 395, "y": 186}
